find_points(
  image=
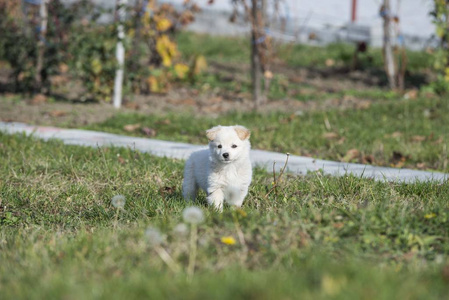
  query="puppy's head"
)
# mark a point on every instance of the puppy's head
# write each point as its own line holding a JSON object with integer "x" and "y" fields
{"x": 228, "y": 143}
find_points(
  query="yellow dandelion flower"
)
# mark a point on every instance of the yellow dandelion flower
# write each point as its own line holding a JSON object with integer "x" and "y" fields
{"x": 228, "y": 240}
{"x": 430, "y": 216}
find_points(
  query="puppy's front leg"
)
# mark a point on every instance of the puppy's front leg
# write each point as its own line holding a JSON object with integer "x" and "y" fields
{"x": 215, "y": 197}
{"x": 237, "y": 196}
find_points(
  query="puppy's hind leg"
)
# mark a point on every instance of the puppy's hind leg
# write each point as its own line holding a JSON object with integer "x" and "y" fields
{"x": 189, "y": 186}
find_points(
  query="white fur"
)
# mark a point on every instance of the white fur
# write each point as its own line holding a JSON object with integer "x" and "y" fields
{"x": 221, "y": 177}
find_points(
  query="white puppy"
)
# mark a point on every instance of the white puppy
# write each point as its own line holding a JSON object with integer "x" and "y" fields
{"x": 224, "y": 171}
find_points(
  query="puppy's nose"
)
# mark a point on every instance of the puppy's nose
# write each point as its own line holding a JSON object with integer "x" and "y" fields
{"x": 226, "y": 155}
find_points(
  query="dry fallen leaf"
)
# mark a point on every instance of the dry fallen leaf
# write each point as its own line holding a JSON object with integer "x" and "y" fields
{"x": 412, "y": 94}
{"x": 421, "y": 166}
{"x": 164, "y": 122}
{"x": 418, "y": 138}
{"x": 38, "y": 99}
{"x": 396, "y": 134}
{"x": 132, "y": 105}
{"x": 398, "y": 159}
{"x": 57, "y": 113}
{"x": 368, "y": 159}
{"x": 338, "y": 225}
{"x": 167, "y": 190}
{"x": 351, "y": 155}
{"x": 330, "y": 135}
{"x": 149, "y": 131}
{"x": 131, "y": 127}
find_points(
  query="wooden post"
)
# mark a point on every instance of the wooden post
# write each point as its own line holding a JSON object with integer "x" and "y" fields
{"x": 256, "y": 68}
{"x": 390, "y": 67}
{"x": 43, "y": 14}
{"x": 353, "y": 11}
{"x": 120, "y": 54}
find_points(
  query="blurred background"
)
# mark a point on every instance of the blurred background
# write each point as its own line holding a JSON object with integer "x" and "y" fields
{"x": 220, "y": 55}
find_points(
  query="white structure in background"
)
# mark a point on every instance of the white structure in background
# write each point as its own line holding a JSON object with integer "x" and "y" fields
{"x": 120, "y": 54}
{"x": 327, "y": 20}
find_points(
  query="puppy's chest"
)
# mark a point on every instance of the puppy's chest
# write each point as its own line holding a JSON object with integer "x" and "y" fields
{"x": 228, "y": 176}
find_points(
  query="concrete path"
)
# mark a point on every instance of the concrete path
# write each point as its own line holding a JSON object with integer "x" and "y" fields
{"x": 296, "y": 164}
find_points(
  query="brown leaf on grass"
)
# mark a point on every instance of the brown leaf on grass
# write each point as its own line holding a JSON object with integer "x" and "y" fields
{"x": 363, "y": 104}
{"x": 338, "y": 225}
{"x": 421, "y": 166}
{"x": 167, "y": 190}
{"x": 438, "y": 141}
{"x": 396, "y": 134}
{"x": 368, "y": 159}
{"x": 38, "y": 99}
{"x": 131, "y": 127}
{"x": 412, "y": 94}
{"x": 330, "y": 135}
{"x": 121, "y": 160}
{"x": 398, "y": 159}
{"x": 164, "y": 122}
{"x": 131, "y": 105}
{"x": 341, "y": 140}
{"x": 57, "y": 113}
{"x": 288, "y": 120}
{"x": 351, "y": 155}
{"x": 149, "y": 131}
{"x": 418, "y": 138}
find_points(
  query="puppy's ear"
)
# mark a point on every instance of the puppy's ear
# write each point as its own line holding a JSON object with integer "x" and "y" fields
{"x": 242, "y": 132}
{"x": 212, "y": 133}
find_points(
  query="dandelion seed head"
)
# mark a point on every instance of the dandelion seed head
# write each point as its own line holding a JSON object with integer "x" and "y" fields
{"x": 193, "y": 215}
{"x": 118, "y": 201}
{"x": 181, "y": 229}
{"x": 153, "y": 236}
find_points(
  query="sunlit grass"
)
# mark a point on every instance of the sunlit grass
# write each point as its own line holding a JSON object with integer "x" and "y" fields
{"x": 315, "y": 237}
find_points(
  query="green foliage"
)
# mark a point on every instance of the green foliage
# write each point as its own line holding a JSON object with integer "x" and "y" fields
{"x": 18, "y": 42}
{"x": 92, "y": 60}
{"x": 74, "y": 38}
{"x": 440, "y": 16}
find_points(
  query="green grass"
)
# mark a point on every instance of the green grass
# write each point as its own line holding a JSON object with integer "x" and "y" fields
{"x": 417, "y": 129}
{"x": 214, "y": 48}
{"x": 232, "y": 54}
{"x": 317, "y": 237}
{"x": 237, "y": 49}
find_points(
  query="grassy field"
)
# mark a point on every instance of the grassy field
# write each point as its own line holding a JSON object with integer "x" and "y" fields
{"x": 401, "y": 133}
{"x": 237, "y": 49}
{"x": 316, "y": 237}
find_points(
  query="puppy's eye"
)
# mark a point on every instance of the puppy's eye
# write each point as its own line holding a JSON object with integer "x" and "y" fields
{"x": 220, "y": 146}
{"x": 234, "y": 146}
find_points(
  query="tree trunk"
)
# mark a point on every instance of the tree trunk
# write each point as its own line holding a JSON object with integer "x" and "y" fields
{"x": 256, "y": 67}
{"x": 43, "y": 14}
{"x": 120, "y": 53}
{"x": 390, "y": 66}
